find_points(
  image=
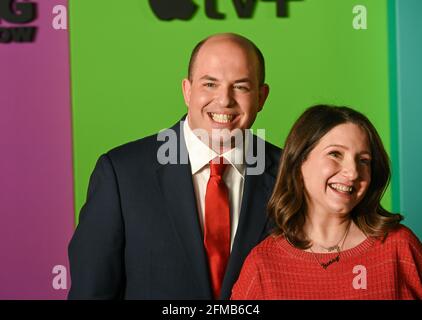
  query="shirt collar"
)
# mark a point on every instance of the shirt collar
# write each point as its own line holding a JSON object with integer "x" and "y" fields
{"x": 200, "y": 154}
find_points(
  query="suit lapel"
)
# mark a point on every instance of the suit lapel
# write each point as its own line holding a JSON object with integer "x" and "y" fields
{"x": 252, "y": 222}
{"x": 175, "y": 181}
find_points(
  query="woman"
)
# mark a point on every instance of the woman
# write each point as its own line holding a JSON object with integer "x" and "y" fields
{"x": 333, "y": 239}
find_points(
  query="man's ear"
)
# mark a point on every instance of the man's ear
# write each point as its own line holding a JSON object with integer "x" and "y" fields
{"x": 264, "y": 91}
{"x": 186, "y": 88}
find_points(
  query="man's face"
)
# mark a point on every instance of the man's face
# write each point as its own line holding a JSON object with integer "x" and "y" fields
{"x": 224, "y": 92}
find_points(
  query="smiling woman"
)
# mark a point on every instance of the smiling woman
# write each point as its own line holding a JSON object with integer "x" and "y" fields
{"x": 337, "y": 172}
{"x": 329, "y": 220}
{"x": 334, "y": 163}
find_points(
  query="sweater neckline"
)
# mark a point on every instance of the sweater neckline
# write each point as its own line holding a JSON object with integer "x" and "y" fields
{"x": 346, "y": 254}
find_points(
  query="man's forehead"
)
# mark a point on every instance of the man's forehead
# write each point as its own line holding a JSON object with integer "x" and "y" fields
{"x": 215, "y": 65}
{"x": 225, "y": 49}
{"x": 225, "y": 41}
{"x": 236, "y": 54}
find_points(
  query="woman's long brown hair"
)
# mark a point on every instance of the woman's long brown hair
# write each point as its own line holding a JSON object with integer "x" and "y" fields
{"x": 287, "y": 204}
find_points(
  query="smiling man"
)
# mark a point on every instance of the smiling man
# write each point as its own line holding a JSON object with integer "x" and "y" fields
{"x": 154, "y": 230}
{"x": 225, "y": 88}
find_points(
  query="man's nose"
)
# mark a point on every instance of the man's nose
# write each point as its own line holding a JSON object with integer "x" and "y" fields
{"x": 225, "y": 97}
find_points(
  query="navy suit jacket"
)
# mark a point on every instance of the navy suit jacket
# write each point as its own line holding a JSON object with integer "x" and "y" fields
{"x": 139, "y": 235}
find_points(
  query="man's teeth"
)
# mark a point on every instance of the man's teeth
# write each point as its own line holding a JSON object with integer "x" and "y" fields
{"x": 221, "y": 118}
{"x": 341, "y": 187}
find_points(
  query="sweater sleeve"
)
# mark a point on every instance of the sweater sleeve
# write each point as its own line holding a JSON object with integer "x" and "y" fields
{"x": 248, "y": 286}
{"x": 410, "y": 266}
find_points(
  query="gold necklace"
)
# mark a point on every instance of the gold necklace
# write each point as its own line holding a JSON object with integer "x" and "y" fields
{"x": 336, "y": 247}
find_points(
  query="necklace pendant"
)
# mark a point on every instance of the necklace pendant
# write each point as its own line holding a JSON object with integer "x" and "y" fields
{"x": 333, "y": 248}
{"x": 330, "y": 262}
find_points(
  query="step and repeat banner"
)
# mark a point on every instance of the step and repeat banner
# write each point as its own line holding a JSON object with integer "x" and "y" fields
{"x": 78, "y": 78}
{"x": 36, "y": 175}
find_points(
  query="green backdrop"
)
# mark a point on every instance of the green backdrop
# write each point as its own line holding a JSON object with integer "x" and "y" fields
{"x": 127, "y": 67}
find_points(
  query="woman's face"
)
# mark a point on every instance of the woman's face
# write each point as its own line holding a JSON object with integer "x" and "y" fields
{"x": 337, "y": 172}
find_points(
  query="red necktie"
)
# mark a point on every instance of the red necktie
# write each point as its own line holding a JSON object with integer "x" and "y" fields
{"x": 217, "y": 225}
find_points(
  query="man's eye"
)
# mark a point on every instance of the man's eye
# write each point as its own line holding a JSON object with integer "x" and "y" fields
{"x": 242, "y": 88}
{"x": 209, "y": 85}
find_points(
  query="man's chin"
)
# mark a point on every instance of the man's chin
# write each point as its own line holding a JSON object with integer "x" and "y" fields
{"x": 226, "y": 142}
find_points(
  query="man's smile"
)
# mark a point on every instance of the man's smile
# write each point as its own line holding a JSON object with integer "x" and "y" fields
{"x": 221, "y": 117}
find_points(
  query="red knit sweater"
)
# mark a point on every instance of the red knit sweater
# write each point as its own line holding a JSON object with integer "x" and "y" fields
{"x": 372, "y": 270}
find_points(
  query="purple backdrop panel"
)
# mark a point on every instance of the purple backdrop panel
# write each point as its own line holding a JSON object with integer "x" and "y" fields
{"x": 36, "y": 175}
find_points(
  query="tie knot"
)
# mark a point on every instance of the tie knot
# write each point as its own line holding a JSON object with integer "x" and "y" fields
{"x": 217, "y": 167}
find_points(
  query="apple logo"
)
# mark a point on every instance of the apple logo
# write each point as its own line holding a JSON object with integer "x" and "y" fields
{"x": 173, "y": 9}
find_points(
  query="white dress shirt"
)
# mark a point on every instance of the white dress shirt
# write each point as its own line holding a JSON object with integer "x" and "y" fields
{"x": 234, "y": 176}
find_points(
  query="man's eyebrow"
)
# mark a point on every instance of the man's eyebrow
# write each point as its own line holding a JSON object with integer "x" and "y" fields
{"x": 243, "y": 80}
{"x": 207, "y": 77}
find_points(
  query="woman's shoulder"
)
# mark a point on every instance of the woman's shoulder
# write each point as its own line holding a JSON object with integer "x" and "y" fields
{"x": 267, "y": 247}
{"x": 403, "y": 236}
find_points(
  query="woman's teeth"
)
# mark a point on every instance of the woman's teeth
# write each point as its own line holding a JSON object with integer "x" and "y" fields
{"x": 341, "y": 187}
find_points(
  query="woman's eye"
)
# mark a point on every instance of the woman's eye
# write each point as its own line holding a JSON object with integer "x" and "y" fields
{"x": 365, "y": 161}
{"x": 335, "y": 154}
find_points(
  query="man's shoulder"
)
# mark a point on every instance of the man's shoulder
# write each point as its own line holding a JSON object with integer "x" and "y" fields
{"x": 273, "y": 151}
{"x": 272, "y": 155}
{"x": 144, "y": 148}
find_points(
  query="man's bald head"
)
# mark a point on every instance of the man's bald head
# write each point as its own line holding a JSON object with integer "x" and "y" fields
{"x": 234, "y": 38}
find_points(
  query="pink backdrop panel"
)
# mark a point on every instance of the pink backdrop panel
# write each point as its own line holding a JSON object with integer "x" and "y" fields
{"x": 36, "y": 175}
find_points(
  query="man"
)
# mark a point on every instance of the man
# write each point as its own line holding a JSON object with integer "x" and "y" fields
{"x": 157, "y": 230}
